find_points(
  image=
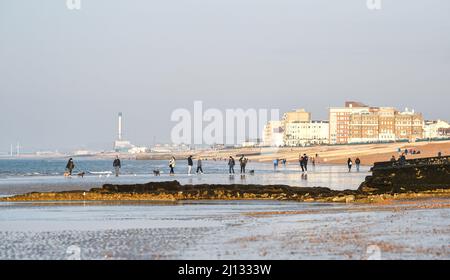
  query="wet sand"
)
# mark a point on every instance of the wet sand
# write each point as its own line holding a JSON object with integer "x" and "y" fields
{"x": 409, "y": 229}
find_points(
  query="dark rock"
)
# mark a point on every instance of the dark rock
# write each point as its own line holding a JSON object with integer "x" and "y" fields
{"x": 414, "y": 175}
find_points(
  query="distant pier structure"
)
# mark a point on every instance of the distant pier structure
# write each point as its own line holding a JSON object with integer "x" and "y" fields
{"x": 121, "y": 145}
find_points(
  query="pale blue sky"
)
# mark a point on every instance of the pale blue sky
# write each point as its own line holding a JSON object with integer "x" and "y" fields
{"x": 65, "y": 74}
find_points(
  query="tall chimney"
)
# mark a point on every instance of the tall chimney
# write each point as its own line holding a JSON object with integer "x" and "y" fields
{"x": 120, "y": 126}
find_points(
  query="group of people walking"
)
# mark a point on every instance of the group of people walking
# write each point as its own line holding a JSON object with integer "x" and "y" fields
{"x": 242, "y": 162}
{"x": 70, "y": 166}
{"x": 190, "y": 165}
{"x": 350, "y": 164}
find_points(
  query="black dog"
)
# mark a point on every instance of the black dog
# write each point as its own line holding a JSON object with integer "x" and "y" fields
{"x": 156, "y": 173}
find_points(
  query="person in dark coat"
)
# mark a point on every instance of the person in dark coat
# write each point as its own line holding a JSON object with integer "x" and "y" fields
{"x": 70, "y": 166}
{"x": 301, "y": 161}
{"x": 190, "y": 164}
{"x": 305, "y": 162}
{"x": 117, "y": 165}
{"x": 402, "y": 159}
{"x": 231, "y": 164}
{"x": 243, "y": 162}
{"x": 199, "y": 166}
{"x": 349, "y": 164}
{"x": 358, "y": 163}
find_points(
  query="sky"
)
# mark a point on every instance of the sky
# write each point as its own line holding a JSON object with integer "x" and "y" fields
{"x": 65, "y": 74}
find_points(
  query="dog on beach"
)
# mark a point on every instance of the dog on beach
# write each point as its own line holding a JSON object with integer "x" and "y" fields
{"x": 81, "y": 174}
{"x": 66, "y": 174}
{"x": 156, "y": 173}
{"x": 252, "y": 172}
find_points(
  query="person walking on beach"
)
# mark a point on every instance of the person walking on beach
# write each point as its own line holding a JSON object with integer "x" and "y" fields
{"x": 231, "y": 164}
{"x": 402, "y": 159}
{"x": 117, "y": 165}
{"x": 70, "y": 166}
{"x": 358, "y": 163}
{"x": 301, "y": 160}
{"x": 199, "y": 166}
{"x": 172, "y": 163}
{"x": 349, "y": 164}
{"x": 243, "y": 162}
{"x": 190, "y": 165}
{"x": 305, "y": 162}
{"x": 275, "y": 164}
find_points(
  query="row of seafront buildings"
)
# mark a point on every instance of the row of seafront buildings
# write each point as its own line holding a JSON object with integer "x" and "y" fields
{"x": 354, "y": 123}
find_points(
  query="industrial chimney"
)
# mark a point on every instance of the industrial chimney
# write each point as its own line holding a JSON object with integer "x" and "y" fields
{"x": 120, "y": 126}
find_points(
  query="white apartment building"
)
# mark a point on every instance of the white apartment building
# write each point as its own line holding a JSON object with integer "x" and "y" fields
{"x": 306, "y": 133}
{"x": 436, "y": 129}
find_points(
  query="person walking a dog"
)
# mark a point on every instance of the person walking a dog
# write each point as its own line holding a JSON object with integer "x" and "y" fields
{"x": 117, "y": 165}
{"x": 243, "y": 162}
{"x": 172, "y": 163}
{"x": 70, "y": 166}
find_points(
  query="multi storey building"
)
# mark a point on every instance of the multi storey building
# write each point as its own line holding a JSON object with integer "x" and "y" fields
{"x": 358, "y": 123}
{"x": 339, "y": 118}
{"x": 408, "y": 125}
{"x": 372, "y": 125}
{"x": 306, "y": 133}
{"x": 296, "y": 129}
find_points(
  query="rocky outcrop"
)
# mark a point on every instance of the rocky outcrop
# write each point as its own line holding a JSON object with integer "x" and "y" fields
{"x": 224, "y": 191}
{"x": 174, "y": 191}
{"x": 410, "y": 176}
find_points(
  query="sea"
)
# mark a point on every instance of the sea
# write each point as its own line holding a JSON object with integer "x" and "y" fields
{"x": 19, "y": 176}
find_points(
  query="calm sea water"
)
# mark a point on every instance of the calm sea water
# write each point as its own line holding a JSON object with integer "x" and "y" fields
{"x": 26, "y": 175}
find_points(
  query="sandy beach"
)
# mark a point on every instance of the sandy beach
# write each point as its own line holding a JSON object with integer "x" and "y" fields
{"x": 368, "y": 153}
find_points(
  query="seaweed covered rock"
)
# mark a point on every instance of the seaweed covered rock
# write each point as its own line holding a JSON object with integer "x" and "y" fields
{"x": 411, "y": 176}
